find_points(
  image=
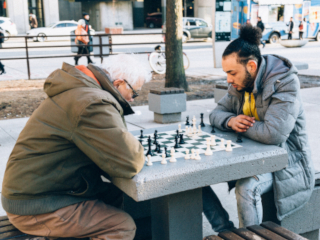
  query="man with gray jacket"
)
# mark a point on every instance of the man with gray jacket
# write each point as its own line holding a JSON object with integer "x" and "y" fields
{"x": 263, "y": 103}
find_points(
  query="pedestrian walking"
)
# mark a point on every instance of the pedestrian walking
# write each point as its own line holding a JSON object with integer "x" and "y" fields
{"x": 1, "y": 41}
{"x": 260, "y": 25}
{"x": 33, "y": 21}
{"x": 302, "y": 28}
{"x": 86, "y": 18}
{"x": 290, "y": 28}
{"x": 82, "y": 40}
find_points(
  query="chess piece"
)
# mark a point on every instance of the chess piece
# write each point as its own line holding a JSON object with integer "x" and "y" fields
{"x": 166, "y": 152}
{"x": 187, "y": 157}
{"x": 187, "y": 130}
{"x": 222, "y": 146}
{"x": 213, "y": 140}
{"x": 202, "y": 123}
{"x": 181, "y": 139}
{"x": 173, "y": 159}
{"x": 194, "y": 135}
{"x": 187, "y": 121}
{"x": 149, "y": 152}
{"x": 163, "y": 161}
{"x": 141, "y": 135}
{"x": 192, "y": 154}
{"x": 155, "y": 137}
{"x": 229, "y": 148}
{"x": 149, "y": 163}
{"x": 199, "y": 130}
{"x": 180, "y": 130}
{"x": 190, "y": 132}
{"x": 159, "y": 148}
{"x": 239, "y": 138}
{"x": 193, "y": 121}
{"x": 140, "y": 140}
{"x": 213, "y": 131}
{"x": 177, "y": 144}
{"x": 208, "y": 151}
{"x": 177, "y": 131}
{"x": 198, "y": 155}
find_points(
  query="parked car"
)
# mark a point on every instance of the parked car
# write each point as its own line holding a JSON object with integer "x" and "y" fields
{"x": 154, "y": 20}
{"x": 194, "y": 28}
{"x": 55, "y": 29}
{"x": 10, "y": 29}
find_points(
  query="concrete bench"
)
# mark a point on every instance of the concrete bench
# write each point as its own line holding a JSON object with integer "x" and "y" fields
{"x": 267, "y": 230}
{"x": 305, "y": 221}
{"x": 294, "y": 43}
{"x": 220, "y": 90}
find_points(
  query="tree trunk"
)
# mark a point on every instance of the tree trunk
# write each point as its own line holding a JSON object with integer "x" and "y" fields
{"x": 175, "y": 75}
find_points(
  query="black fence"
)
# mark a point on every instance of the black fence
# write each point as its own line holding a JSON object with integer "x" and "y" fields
{"x": 100, "y": 45}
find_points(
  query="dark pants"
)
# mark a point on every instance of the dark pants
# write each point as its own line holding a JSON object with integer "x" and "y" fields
{"x": 300, "y": 35}
{"x": 289, "y": 36}
{"x": 2, "y": 68}
{"x": 82, "y": 50}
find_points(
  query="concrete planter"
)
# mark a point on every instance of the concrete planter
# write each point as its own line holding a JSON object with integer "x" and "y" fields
{"x": 294, "y": 43}
{"x": 167, "y": 104}
{"x": 114, "y": 30}
{"x": 220, "y": 91}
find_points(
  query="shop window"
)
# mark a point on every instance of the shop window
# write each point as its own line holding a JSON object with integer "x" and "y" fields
{"x": 3, "y": 8}
{"x": 36, "y": 8}
{"x": 276, "y": 13}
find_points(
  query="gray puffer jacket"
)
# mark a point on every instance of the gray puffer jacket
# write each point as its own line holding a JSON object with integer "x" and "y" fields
{"x": 282, "y": 122}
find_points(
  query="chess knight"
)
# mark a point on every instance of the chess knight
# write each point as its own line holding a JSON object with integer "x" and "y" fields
{"x": 263, "y": 103}
{"x": 52, "y": 185}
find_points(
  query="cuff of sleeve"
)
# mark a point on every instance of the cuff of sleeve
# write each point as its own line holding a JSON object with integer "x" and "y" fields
{"x": 226, "y": 123}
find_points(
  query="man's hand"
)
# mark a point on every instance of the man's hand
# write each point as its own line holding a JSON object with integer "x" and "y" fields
{"x": 241, "y": 123}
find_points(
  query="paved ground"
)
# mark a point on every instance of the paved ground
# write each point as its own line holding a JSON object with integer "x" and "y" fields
{"x": 143, "y": 118}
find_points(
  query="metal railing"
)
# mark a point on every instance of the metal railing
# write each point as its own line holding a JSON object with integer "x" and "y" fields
{"x": 100, "y": 45}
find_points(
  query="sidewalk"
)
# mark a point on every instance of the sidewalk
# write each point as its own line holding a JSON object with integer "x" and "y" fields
{"x": 143, "y": 118}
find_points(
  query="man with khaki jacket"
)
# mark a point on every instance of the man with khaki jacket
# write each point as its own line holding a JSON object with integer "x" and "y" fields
{"x": 52, "y": 185}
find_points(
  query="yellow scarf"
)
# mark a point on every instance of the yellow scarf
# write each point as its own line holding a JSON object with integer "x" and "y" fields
{"x": 249, "y": 106}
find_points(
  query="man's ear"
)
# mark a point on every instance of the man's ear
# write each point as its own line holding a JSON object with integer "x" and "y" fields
{"x": 117, "y": 83}
{"x": 252, "y": 66}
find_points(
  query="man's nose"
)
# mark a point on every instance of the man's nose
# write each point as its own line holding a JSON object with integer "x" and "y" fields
{"x": 229, "y": 79}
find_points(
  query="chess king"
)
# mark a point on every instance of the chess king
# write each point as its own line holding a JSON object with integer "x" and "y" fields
{"x": 263, "y": 103}
{"x": 52, "y": 185}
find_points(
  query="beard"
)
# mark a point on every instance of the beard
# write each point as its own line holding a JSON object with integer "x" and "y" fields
{"x": 248, "y": 82}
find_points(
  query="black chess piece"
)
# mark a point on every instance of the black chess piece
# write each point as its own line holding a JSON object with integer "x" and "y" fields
{"x": 155, "y": 137}
{"x": 149, "y": 152}
{"x": 187, "y": 121}
{"x": 159, "y": 148}
{"x": 202, "y": 123}
{"x": 141, "y": 135}
{"x": 156, "y": 149}
{"x": 140, "y": 140}
{"x": 239, "y": 138}
{"x": 181, "y": 139}
{"x": 166, "y": 152}
{"x": 213, "y": 131}
{"x": 177, "y": 133}
{"x": 177, "y": 144}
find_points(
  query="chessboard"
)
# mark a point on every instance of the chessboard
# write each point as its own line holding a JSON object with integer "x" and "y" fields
{"x": 167, "y": 139}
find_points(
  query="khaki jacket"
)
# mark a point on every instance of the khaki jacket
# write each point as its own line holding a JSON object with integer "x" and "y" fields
{"x": 76, "y": 135}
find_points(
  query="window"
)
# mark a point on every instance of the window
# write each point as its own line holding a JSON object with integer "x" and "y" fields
{"x": 1, "y": 21}
{"x": 36, "y": 8}
{"x": 192, "y": 23}
{"x": 61, "y": 25}
{"x": 202, "y": 23}
{"x": 72, "y": 24}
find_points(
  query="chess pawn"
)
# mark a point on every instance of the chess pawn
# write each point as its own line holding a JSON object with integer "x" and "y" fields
{"x": 187, "y": 157}
{"x": 198, "y": 155}
{"x": 173, "y": 159}
{"x": 190, "y": 132}
{"x": 213, "y": 141}
{"x": 229, "y": 148}
{"x": 222, "y": 146}
{"x": 149, "y": 163}
{"x": 180, "y": 130}
{"x": 208, "y": 151}
{"x": 187, "y": 130}
{"x": 164, "y": 161}
{"x": 193, "y": 156}
{"x": 199, "y": 130}
{"x": 194, "y": 135}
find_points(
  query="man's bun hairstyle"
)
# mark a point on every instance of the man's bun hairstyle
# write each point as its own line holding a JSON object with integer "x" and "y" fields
{"x": 246, "y": 46}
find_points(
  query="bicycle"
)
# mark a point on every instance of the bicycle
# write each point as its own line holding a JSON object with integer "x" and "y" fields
{"x": 157, "y": 60}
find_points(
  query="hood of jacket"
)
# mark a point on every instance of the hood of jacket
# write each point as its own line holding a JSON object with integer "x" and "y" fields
{"x": 69, "y": 77}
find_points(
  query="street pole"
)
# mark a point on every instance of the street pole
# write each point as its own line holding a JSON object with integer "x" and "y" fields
{"x": 185, "y": 8}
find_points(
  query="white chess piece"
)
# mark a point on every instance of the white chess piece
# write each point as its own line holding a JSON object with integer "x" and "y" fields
{"x": 213, "y": 140}
{"x": 192, "y": 154}
{"x": 229, "y": 148}
{"x": 164, "y": 161}
{"x": 173, "y": 159}
{"x": 194, "y": 135}
{"x": 189, "y": 132}
{"x": 180, "y": 130}
{"x": 149, "y": 163}
{"x": 187, "y": 157}
{"x": 199, "y": 130}
{"x": 198, "y": 155}
{"x": 222, "y": 146}
{"x": 208, "y": 151}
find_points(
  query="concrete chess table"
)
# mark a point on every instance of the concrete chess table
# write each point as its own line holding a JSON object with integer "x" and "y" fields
{"x": 175, "y": 189}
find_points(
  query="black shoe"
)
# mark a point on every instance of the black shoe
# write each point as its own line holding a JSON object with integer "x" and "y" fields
{"x": 3, "y": 72}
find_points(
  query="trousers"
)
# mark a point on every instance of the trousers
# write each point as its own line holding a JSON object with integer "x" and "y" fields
{"x": 248, "y": 193}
